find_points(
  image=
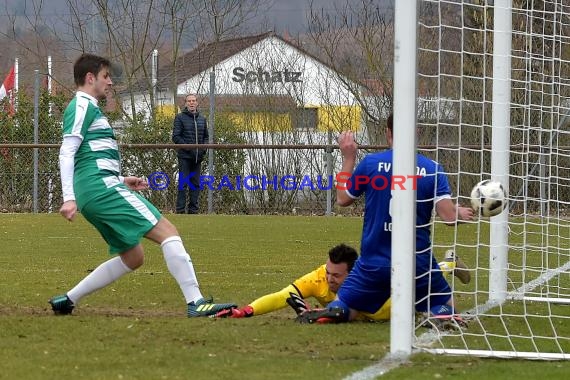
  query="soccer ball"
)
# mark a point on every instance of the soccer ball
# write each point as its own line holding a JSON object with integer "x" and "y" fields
{"x": 489, "y": 198}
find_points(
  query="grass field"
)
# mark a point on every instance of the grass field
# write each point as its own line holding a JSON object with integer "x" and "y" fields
{"x": 137, "y": 328}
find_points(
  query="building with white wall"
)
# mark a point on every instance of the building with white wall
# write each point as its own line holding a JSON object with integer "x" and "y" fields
{"x": 269, "y": 73}
{"x": 274, "y": 92}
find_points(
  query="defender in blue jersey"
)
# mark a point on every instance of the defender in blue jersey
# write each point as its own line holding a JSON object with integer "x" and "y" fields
{"x": 367, "y": 287}
{"x": 91, "y": 183}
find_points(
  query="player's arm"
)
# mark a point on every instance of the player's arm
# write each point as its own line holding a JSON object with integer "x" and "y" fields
{"x": 303, "y": 287}
{"x": 348, "y": 149}
{"x": 450, "y": 213}
{"x": 272, "y": 302}
{"x": 206, "y": 133}
{"x": 262, "y": 305}
{"x": 67, "y": 151}
{"x": 445, "y": 208}
{"x": 177, "y": 131}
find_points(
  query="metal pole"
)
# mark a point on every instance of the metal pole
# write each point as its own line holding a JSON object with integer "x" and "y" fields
{"x": 403, "y": 206}
{"x": 154, "y": 79}
{"x": 500, "y": 132}
{"x": 36, "y": 137}
{"x": 50, "y": 106}
{"x": 49, "y": 74}
{"x": 329, "y": 164}
{"x": 211, "y": 139}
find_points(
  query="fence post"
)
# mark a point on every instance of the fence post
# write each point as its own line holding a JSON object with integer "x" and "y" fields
{"x": 36, "y": 136}
{"x": 329, "y": 163}
{"x": 211, "y": 137}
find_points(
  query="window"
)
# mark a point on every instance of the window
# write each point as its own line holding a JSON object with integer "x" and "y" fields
{"x": 305, "y": 118}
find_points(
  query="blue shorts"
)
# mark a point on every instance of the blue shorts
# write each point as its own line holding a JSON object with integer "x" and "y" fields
{"x": 367, "y": 286}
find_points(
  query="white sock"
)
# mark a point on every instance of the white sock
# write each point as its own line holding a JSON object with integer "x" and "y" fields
{"x": 180, "y": 266}
{"x": 102, "y": 276}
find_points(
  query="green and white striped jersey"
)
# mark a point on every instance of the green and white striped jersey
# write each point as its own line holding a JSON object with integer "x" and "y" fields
{"x": 97, "y": 161}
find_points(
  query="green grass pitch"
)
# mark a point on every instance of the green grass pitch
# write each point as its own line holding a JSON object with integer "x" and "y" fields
{"x": 137, "y": 328}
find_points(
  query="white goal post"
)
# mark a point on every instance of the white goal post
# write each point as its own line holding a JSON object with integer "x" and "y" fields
{"x": 492, "y": 101}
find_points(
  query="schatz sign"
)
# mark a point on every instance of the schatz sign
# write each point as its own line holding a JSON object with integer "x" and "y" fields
{"x": 261, "y": 75}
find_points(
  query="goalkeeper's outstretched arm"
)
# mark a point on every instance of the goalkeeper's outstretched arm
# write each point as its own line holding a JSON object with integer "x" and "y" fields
{"x": 272, "y": 302}
{"x": 262, "y": 305}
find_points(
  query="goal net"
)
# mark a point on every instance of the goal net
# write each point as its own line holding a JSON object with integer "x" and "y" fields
{"x": 482, "y": 66}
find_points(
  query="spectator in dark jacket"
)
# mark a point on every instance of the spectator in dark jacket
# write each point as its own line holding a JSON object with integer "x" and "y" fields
{"x": 189, "y": 128}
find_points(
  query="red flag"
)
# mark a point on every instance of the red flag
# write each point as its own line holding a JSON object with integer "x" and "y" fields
{"x": 5, "y": 89}
{"x": 8, "y": 84}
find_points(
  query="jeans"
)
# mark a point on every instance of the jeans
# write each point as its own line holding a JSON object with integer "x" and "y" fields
{"x": 185, "y": 167}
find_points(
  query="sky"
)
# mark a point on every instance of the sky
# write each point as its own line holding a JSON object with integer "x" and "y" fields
{"x": 285, "y": 17}
{"x": 280, "y": 15}
{"x": 291, "y": 15}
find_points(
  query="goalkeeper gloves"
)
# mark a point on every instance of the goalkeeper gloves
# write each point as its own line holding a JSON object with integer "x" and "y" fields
{"x": 307, "y": 315}
{"x": 243, "y": 312}
{"x": 327, "y": 315}
{"x": 297, "y": 303}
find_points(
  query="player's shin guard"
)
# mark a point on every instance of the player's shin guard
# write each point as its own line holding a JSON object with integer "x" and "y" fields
{"x": 180, "y": 266}
{"x": 105, "y": 274}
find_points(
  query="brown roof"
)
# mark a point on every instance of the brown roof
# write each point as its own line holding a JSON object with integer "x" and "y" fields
{"x": 205, "y": 56}
{"x": 208, "y": 55}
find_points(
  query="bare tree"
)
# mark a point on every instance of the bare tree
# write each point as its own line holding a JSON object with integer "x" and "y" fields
{"x": 223, "y": 19}
{"x": 132, "y": 29}
{"x": 179, "y": 15}
{"x": 26, "y": 34}
{"x": 356, "y": 40}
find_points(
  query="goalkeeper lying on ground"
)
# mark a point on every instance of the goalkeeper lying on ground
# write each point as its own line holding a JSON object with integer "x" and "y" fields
{"x": 324, "y": 282}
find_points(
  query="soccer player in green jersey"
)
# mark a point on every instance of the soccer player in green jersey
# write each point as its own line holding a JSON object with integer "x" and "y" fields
{"x": 91, "y": 183}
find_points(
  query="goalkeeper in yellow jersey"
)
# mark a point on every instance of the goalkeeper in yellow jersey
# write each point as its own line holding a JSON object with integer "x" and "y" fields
{"x": 323, "y": 284}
